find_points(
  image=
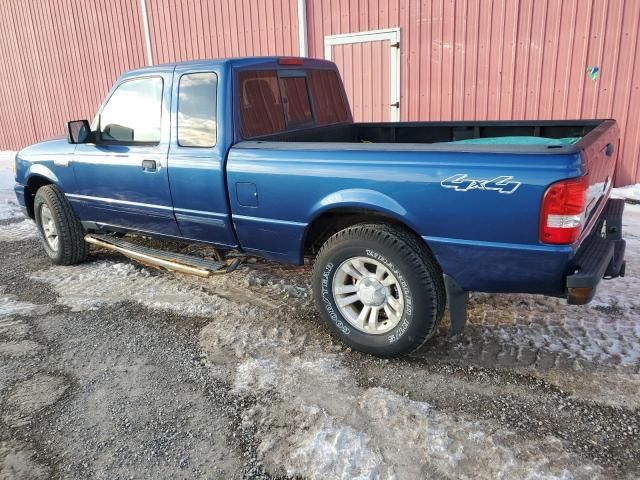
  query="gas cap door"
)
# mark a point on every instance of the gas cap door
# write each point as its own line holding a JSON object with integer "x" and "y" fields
{"x": 247, "y": 194}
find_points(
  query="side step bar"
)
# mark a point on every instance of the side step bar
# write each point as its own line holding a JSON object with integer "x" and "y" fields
{"x": 169, "y": 260}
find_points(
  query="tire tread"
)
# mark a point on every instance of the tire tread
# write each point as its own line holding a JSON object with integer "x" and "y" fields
{"x": 417, "y": 255}
{"x": 74, "y": 248}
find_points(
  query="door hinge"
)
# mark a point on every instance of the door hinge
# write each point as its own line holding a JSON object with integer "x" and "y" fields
{"x": 395, "y": 45}
{"x": 397, "y": 105}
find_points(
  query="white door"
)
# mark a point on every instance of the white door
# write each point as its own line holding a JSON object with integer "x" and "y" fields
{"x": 369, "y": 64}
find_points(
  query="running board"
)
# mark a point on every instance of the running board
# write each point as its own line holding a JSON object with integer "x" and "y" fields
{"x": 160, "y": 258}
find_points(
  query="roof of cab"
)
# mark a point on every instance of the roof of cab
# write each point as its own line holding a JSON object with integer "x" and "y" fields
{"x": 234, "y": 62}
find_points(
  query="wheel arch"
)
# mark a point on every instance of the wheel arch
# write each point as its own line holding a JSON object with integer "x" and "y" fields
{"x": 35, "y": 181}
{"x": 338, "y": 217}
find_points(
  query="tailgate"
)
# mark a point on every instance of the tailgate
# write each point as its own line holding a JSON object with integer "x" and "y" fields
{"x": 599, "y": 153}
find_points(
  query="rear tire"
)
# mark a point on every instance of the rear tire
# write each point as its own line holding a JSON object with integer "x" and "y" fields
{"x": 60, "y": 229}
{"x": 379, "y": 289}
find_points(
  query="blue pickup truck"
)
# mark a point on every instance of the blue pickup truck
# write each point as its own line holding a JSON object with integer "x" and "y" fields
{"x": 262, "y": 155}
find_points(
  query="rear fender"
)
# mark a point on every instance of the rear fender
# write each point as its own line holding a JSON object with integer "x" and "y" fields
{"x": 362, "y": 198}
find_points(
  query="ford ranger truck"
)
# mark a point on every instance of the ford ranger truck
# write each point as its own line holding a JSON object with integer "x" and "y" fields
{"x": 262, "y": 155}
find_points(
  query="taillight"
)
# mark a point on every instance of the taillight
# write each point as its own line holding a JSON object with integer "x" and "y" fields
{"x": 563, "y": 211}
{"x": 290, "y": 61}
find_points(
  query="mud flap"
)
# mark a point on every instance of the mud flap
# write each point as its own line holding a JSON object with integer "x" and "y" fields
{"x": 457, "y": 300}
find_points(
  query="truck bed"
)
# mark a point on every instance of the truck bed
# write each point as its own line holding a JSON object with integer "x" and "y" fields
{"x": 443, "y": 135}
{"x": 401, "y": 170}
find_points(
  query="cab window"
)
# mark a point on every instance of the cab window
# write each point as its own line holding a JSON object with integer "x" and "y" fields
{"x": 197, "y": 126}
{"x": 133, "y": 112}
{"x": 327, "y": 99}
{"x": 295, "y": 100}
{"x": 260, "y": 104}
{"x": 274, "y": 102}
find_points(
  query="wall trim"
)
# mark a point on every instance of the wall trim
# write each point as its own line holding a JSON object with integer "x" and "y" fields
{"x": 147, "y": 34}
{"x": 302, "y": 28}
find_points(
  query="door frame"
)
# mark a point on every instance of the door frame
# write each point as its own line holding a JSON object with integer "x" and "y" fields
{"x": 390, "y": 34}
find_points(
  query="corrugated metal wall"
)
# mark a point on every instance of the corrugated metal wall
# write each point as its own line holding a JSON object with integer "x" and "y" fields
{"x": 57, "y": 61}
{"x": 192, "y": 29}
{"x": 460, "y": 59}
{"x": 505, "y": 59}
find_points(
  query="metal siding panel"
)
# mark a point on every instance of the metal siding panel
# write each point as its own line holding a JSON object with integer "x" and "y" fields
{"x": 629, "y": 171}
{"x": 623, "y": 101}
{"x": 11, "y": 88}
{"x": 509, "y": 60}
{"x": 496, "y": 48}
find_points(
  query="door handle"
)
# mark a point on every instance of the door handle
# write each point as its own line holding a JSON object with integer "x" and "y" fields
{"x": 149, "y": 165}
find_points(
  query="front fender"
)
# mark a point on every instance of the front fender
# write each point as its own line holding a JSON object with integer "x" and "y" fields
{"x": 42, "y": 171}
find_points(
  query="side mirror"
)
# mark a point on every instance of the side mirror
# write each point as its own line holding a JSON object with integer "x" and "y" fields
{"x": 78, "y": 131}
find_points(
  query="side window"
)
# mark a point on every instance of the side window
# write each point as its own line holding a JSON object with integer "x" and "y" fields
{"x": 197, "y": 125}
{"x": 260, "y": 108}
{"x": 329, "y": 104}
{"x": 132, "y": 113}
{"x": 295, "y": 97}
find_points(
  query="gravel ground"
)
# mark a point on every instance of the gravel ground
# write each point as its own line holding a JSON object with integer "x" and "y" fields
{"x": 114, "y": 370}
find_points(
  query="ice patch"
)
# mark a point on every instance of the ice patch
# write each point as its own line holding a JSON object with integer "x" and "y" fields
{"x": 15, "y": 232}
{"x": 335, "y": 451}
{"x": 93, "y": 285}
{"x": 313, "y": 420}
{"x": 9, "y": 306}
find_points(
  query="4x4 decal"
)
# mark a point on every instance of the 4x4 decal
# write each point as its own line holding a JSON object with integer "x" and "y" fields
{"x": 461, "y": 183}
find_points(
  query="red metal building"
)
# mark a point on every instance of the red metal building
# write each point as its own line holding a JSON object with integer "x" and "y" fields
{"x": 400, "y": 59}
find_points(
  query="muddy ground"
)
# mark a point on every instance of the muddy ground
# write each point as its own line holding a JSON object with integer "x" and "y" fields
{"x": 110, "y": 369}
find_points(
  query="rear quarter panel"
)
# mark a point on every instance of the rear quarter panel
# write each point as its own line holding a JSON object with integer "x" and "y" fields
{"x": 297, "y": 182}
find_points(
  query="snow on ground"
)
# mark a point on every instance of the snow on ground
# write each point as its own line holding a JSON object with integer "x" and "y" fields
{"x": 92, "y": 285}
{"x": 630, "y": 192}
{"x": 8, "y": 206}
{"x": 312, "y": 412}
{"x": 9, "y": 307}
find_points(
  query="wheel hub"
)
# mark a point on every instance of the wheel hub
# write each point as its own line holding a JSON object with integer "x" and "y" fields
{"x": 372, "y": 292}
{"x": 368, "y": 295}
{"x": 49, "y": 229}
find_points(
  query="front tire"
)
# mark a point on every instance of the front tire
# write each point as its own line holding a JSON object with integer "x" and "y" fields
{"x": 379, "y": 289}
{"x": 60, "y": 229}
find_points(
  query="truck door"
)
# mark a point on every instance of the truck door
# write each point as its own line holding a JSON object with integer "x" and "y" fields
{"x": 197, "y": 155}
{"x": 122, "y": 179}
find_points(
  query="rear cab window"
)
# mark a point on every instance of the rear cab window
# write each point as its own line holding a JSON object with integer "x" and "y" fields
{"x": 276, "y": 101}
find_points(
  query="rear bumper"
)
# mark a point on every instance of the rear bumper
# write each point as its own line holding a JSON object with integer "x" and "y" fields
{"x": 601, "y": 255}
